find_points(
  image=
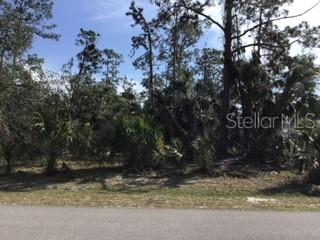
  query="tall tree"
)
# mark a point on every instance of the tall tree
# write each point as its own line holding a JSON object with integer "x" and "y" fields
{"x": 111, "y": 63}
{"x": 146, "y": 40}
{"x": 20, "y": 22}
{"x": 181, "y": 31}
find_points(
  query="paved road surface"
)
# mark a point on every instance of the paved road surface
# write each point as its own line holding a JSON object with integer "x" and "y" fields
{"x": 33, "y": 223}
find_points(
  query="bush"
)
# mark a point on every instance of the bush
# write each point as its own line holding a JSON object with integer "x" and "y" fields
{"x": 302, "y": 150}
{"x": 205, "y": 153}
{"x": 168, "y": 155}
{"x": 137, "y": 140}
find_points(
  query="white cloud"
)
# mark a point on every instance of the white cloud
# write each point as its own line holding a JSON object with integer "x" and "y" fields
{"x": 106, "y": 10}
{"x": 312, "y": 17}
{"x": 215, "y": 12}
{"x": 298, "y": 7}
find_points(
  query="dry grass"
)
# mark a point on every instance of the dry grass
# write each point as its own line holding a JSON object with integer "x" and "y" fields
{"x": 107, "y": 187}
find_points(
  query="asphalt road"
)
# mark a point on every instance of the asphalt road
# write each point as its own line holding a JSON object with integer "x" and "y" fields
{"x": 34, "y": 223}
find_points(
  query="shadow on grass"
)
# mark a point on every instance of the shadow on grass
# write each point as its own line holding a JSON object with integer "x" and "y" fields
{"x": 27, "y": 182}
{"x": 30, "y": 181}
{"x": 130, "y": 183}
{"x": 290, "y": 188}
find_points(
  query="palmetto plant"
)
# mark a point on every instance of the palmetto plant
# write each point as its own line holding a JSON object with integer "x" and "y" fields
{"x": 137, "y": 140}
{"x": 303, "y": 149}
{"x": 51, "y": 138}
{"x": 78, "y": 137}
{"x": 55, "y": 135}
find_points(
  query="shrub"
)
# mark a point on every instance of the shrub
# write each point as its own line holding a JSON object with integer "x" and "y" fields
{"x": 302, "y": 150}
{"x": 137, "y": 140}
{"x": 205, "y": 153}
{"x": 168, "y": 155}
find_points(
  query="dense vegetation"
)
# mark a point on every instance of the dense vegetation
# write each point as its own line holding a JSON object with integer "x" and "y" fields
{"x": 181, "y": 117}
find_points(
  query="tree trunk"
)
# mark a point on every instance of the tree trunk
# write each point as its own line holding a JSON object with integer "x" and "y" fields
{"x": 227, "y": 79}
{"x": 8, "y": 159}
{"x": 174, "y": 57}
{"x": 150, "y": 61}
{"x": 8, "y": 168}
{"x": 51, "y": 165}
{"x": 247, "y": 111}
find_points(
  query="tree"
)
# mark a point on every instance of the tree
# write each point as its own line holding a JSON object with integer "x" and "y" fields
{"x": 20, "y": 22}
{"x": 181, "y": 31}
{"x": 92, "y": 99}
{"x": 111, "y": 63}
{"x": 19, "y": 100}
{"x": 50, "y": 131}
{"x": 147, "y": 41}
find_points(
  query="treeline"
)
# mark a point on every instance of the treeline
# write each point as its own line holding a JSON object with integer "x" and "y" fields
{"x": 190, "y": 93}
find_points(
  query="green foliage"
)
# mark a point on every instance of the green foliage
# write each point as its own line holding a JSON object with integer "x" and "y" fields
{"x": 302, "y": 149}
{"x": 78, "y": 137}
{"x": 55, "y": 134}
{"x": 51, "y": 134}
{"x": 205, "y": 153}
{"x": 168, "y": 155}
{"x": 137, "y": 139}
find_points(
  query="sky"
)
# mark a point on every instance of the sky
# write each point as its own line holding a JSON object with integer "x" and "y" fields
{"x": 108, "y": 18}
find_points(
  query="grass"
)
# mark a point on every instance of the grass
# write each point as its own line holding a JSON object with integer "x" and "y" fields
{"x": 107, "y": 187}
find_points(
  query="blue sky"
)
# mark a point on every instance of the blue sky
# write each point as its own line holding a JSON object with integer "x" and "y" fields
{"x": 106, "y": 17}
{"x": 102, "y": 16}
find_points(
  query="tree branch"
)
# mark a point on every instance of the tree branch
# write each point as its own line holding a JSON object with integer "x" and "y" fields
{"x": 277, "y": 19}
{"x": 203, "y": 15}
{"x": 264, "y": 45}
{"x": 269, "y": 46}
